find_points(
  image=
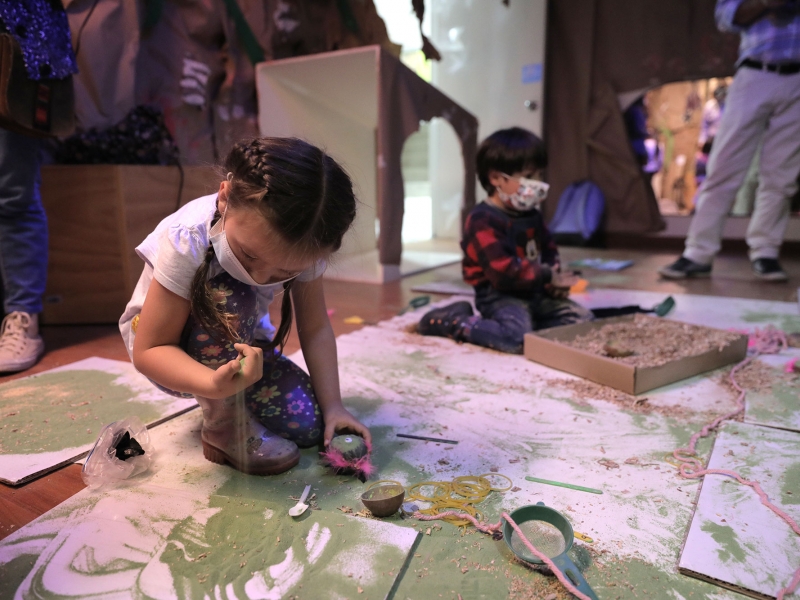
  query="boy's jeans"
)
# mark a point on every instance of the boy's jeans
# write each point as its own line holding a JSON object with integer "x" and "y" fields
{"x": 23, "y": 224}
{"x": 506, "y": 319}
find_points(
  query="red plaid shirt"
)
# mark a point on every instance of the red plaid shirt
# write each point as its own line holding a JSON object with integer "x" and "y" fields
{"x": 511, "y": 252}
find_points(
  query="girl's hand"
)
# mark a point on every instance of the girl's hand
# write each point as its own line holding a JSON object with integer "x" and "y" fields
{"x": 238, "y": 374}
{"x": 339, "y": 419}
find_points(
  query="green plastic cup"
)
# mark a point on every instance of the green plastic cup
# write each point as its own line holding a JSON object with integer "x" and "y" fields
{"x": 551, "y": 533}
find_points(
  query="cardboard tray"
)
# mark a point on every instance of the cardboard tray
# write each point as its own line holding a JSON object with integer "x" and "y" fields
{"x": 546, "y": 347}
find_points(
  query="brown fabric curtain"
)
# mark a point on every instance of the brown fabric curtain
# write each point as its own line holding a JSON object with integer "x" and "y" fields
{"x": 109, "y": 45}
{"x": 597, "y": 49}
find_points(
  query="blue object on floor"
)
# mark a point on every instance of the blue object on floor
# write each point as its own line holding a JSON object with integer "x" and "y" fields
{"x": 602, "y": 264}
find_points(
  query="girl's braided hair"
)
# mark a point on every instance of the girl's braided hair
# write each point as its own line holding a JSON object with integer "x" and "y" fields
{"x": 302, "y": 193}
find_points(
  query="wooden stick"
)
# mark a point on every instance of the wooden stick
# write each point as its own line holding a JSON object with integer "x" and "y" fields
{"x": 427, "y": 439}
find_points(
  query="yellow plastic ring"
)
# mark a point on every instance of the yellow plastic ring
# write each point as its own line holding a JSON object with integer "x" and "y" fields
{"x": 441, "y": 490}
{"x": 496, "y": 489}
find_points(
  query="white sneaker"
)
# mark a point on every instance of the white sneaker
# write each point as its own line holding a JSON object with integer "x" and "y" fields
{"x": 20, "y": 342}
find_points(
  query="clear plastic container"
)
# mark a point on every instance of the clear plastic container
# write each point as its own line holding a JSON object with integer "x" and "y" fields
{"x": 116, "y": 457}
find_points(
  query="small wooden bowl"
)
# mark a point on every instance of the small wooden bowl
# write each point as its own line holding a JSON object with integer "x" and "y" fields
{"x": 384, "y": 500}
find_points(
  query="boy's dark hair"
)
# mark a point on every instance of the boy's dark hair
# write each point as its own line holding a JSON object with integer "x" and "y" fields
{"x": 509, "y": 151}
{"x": 302, "y": 193}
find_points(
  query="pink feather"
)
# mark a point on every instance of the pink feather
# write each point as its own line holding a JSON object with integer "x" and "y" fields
{"x": 338, "y": 462}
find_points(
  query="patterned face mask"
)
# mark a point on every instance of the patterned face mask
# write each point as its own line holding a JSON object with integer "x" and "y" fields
{"x": 531, "y": 193}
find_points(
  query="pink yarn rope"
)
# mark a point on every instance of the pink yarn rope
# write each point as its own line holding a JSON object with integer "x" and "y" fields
{"x": 763, "y": 341}
{"x": 492, "y": 529}
{"x": 484, "y": 527}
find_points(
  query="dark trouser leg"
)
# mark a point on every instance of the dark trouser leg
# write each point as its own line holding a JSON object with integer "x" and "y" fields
{"x": 23, "y": 224}
{"x": 503, "y": 323}
{"x": 553, "y": 312}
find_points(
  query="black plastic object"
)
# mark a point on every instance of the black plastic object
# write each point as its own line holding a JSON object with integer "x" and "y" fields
{"x": 660, "y": 310}
{"x": 127, "y": 447}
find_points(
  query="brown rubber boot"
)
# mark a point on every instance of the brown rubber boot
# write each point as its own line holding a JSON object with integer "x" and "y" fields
{"x": 232, "y": 435}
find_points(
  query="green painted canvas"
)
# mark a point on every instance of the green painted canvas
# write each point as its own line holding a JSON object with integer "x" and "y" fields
{"x": 776, "y": 403}
{"x": 53, "y": 418}
{"x": 161, "y": 544}
{"x": 509, "y": 416}
{"x": 733, "y": 538}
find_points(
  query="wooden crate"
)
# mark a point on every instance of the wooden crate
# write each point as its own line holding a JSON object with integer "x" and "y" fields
{"x": 97, "y": 215}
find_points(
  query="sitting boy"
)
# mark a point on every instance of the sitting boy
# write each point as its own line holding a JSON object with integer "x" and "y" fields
{"x": 509, "y": 256}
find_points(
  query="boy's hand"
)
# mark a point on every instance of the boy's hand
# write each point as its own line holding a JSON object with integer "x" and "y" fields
{"x": 339, "y": 419}
{"x": 238, "y": 374}
{"x": 557, "y": 293}
{"x": 560, "y": 283}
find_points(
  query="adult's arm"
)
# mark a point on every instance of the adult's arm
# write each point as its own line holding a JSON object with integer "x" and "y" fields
{"x": 736, "y": 15}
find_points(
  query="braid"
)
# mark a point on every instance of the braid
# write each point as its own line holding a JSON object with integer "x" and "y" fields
{"x": 285, "y": 328}
{"x": 258, "y": 164}
{"x": 205, "y": 309}
{"x": 304, "y": 195}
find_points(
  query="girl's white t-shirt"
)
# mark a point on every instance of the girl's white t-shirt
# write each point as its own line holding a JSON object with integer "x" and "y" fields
{"x": 174, "y": 251}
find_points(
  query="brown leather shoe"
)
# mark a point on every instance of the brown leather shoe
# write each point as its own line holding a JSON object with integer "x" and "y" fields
{"x": 232, "y": 435}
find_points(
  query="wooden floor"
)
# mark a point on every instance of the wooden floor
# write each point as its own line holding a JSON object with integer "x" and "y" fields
{"x": 67, "y": 344}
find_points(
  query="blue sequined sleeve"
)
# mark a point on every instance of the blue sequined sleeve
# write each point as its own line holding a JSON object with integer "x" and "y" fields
{"x": 42, "y": 31}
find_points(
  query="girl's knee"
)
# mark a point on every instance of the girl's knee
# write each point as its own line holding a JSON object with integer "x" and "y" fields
{"x": 284, "y": 402}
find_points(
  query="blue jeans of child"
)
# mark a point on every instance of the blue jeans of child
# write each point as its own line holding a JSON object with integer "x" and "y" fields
{"x": 505, "y": 319}
{"x": 23, "y": 224}
{"x": 283, "y": 399}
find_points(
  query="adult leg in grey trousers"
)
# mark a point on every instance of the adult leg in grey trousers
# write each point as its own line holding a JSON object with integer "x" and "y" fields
{"x": 761, "y": 106}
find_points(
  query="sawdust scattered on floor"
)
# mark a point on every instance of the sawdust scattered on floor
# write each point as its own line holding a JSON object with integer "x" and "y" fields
{"x": 589, "y": 390}
{"x": 793, "y": 339}
{"x": 652, "y": 341}
{"x": 757, "y": 377}
{"x": 539, "y": 588}
{"x": 584, "y": 390}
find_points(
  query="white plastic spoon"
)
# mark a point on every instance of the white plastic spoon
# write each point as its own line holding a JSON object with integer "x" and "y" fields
{"x": 299, "y": 508}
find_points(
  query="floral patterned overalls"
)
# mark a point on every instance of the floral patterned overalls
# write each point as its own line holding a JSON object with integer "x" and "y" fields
{"x": 283, "y": 399}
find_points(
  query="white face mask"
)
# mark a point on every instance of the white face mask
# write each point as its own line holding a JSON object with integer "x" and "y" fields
{"x": 228, "y": 261}
{"x": 531, "y": 194}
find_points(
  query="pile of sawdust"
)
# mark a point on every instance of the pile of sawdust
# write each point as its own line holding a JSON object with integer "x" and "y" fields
{"x": 653, "y": 341}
